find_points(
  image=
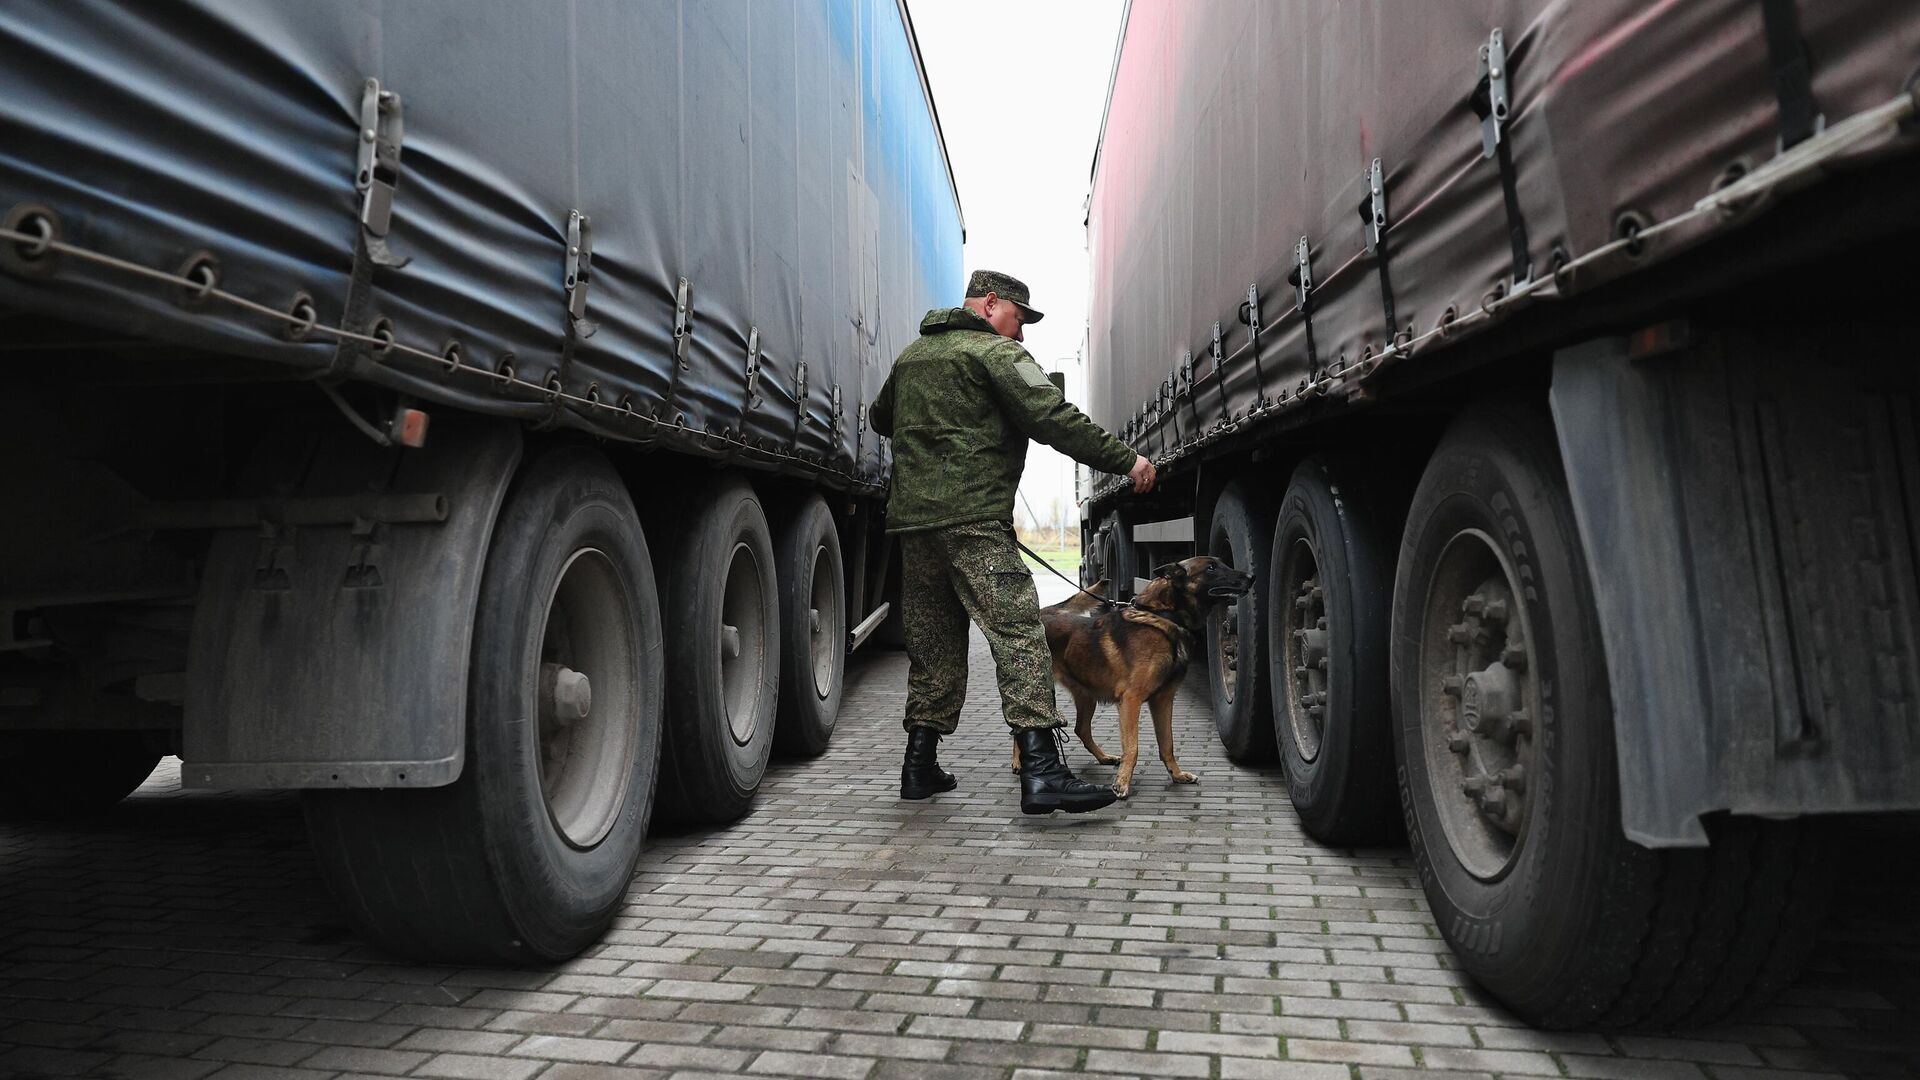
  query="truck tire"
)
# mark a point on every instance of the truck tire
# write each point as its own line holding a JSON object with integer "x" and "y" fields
{"x": 813, "y": 628}
{"x": 55, "y": 774}
{"x": 526, "y": 857}
{"x": 1238, "y": 534}
{"x": 1119, "y": 557}
{"x": 723, "y": 650}
{"x": 1328, "y": 598}
{"x": 1508, "y": 777}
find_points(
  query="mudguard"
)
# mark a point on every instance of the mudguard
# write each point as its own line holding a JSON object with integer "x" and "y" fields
{"x": 1742, "y": 504}
{"x": 334, "y": 654}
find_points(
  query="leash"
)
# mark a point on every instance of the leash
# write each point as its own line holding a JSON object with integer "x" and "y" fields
{"x": 1165, "y": 614}
{"x": 1076, "y": 588}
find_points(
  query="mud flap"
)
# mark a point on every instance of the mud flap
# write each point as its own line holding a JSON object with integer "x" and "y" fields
{"x": 331, "y": 639}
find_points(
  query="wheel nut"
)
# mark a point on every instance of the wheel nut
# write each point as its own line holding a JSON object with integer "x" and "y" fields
{"x": 1459, "y": 633}
{"x": 1474, "y": 605}
{"x": 1496, "y": 611}
{"x": 1514, "y": 656}
{"x": 1514, "y": 778}
{"x": 1459, "y": 741}
{"x": 1474, "y": 785}
{"x": 730, "y": 641}
{"x": 1450, "y": 685}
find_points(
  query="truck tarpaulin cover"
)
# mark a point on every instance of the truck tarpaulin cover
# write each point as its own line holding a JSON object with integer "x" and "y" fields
{"x": 1235, "y": 128}
{"x": 781, "y": 157}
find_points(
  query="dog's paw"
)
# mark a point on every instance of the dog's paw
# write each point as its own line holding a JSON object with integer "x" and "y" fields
{"x": 1123, "y": 790}
{"x": 1186, "y": 778}
{"x": 1108, "y": 760}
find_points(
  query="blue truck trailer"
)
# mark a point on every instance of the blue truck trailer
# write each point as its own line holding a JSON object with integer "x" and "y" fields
{"x": 453, "y": 410}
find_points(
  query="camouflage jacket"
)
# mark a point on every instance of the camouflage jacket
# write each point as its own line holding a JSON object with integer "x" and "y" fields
{"x": 960, "y": 405}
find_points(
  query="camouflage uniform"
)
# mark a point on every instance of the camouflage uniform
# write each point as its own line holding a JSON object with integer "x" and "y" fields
{"x": 948, "y": 575}
{"x": 960, "y": 405}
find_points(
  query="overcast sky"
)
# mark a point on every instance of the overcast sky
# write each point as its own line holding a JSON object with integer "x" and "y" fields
{"x": 1020, "y": 88}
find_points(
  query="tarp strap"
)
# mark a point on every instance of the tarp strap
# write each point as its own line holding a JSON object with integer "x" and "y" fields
{"x": 799, "y": 406}
{"x": 1792, "y": 71}
{"x": 1302, "y": 281}
{"x": 1373, "y": 214}
{"x": 1490, "y": 102}
{"x": 1170, "y": 391}
{"x": 577, "y": 271}
{"x": 350, "y": 354}
{"x": 682, "y": 333}
{"x": 376, "y": 181}
{"x": 836, "y": 425}
{"x": 750, "y": 398}
{"x": 1250, "y": 315}
{"x": 556, "y": 383}
{"x": 377, "y": 173}
{"x": 1193, "y": 407}
{"x": 1516, "y": 223}
{"x": 1220, "y": 376}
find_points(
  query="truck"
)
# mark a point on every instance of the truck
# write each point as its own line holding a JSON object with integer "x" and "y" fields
{"x": 1548, "y": 365}
{"x": 454, "y": 411}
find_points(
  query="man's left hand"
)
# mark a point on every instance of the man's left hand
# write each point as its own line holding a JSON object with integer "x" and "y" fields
{"x": 1142, "y": 474}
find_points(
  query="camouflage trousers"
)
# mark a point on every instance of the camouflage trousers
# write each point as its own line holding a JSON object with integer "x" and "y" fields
{"x": 972, "y": 571}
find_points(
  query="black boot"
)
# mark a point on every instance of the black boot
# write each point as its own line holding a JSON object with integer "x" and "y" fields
{"x": 1046, "y": 784}
{"x": 921, "y": 775}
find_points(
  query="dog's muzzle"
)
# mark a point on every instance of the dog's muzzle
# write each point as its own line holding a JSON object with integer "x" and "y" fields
{"x": 1227, "y": 590}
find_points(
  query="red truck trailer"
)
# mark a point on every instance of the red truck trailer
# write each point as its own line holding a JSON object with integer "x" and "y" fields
{"x": 1550, "y": 364}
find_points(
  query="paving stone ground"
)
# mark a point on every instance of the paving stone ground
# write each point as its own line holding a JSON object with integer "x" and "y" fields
{"x": 838, "y": 932}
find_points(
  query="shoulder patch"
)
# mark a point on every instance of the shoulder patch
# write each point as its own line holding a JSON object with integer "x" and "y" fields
{"x": 1031, "y": 372}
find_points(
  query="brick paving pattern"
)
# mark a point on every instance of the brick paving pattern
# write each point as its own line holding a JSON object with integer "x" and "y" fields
{"x": 838, "y": 932}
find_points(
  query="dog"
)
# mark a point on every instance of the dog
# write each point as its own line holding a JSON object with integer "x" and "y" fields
{"x": 1135, "y": 654}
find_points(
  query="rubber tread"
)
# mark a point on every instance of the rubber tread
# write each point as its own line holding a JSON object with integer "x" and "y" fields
{"x": 705, "y": 778}
{"x": 1666, "y": 939}
{"x": 450, "y": 874}
{"x": 1244, "y": 723}
{"x": 1355, "y": 538}
{"x": 805, "y": 721}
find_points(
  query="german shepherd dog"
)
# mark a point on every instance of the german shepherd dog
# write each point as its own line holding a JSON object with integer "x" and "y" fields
{"x": 1135, "y": 654}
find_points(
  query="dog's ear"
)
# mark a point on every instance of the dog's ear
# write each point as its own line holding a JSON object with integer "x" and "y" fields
{"x": 1173, "y": 570}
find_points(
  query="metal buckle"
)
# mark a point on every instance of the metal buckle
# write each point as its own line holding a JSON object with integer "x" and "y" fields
{"x": 682, "y": 321}
{"x": 1493, "y": 85}
{"x": 753, "y": 367}
{"x": 378, "y": 176}
{"x": 1375, "y": 210}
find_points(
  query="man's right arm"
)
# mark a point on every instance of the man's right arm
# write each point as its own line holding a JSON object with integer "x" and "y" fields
{"x": 1042, "y": 412}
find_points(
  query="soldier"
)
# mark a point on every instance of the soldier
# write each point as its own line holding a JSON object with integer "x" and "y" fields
{"x": 960, "y": 405}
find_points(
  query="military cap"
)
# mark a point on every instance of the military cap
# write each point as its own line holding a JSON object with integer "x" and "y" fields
{"x": 1004, "y": 286}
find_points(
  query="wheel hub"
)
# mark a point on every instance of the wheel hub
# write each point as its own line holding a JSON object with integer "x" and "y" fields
{"x": 585, "y": 752}
{"x": 823, "y": 620}
{"x": 1307, "y": 648}
{"x": 566, "y": 695}
{"x": 743, "y": 649}
{"x": 1478, "y": 657}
